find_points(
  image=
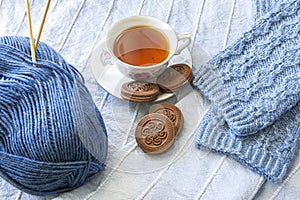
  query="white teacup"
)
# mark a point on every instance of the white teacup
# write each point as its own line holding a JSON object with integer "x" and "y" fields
{"x": 150, "y": 70}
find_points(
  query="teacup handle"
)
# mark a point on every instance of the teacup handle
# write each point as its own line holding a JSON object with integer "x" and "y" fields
{"x": 186, "y": 38}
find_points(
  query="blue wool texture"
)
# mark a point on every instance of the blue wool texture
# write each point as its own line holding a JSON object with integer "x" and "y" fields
{"x": 257, "y": 78}
{"x": 254, "y": 89}
{"x": 262, "y": 7}
{"x": 52, "y": 137}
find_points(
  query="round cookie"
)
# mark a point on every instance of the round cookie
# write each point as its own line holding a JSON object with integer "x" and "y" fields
{"x": 175, "y": 78}
{"x": 155, "y": 133}
{"x": 140, "y": 92}
{"x": 172, "y": 112}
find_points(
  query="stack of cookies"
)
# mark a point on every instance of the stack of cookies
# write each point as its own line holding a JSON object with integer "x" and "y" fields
{"x": 156, "y": 131}
{"x": 139, "y": 92}
{"x": 172, "y": 80}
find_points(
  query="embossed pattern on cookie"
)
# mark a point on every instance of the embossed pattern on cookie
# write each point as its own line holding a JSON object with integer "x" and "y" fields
{"x": 175, "y": 78}
{"x": 155, "y": 133}
{"x": 172, "y": 112}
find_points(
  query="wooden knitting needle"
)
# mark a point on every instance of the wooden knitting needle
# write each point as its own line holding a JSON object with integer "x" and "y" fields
{"x": 42, "y": 25}
{"x": 32, "y": 46}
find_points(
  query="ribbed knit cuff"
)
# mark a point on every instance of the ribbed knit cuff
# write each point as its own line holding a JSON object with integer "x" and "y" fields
{"x": 256, "y": 79}
{"x": 268, "y": 153}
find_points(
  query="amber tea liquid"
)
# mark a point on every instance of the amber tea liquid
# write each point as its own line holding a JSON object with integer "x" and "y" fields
{"x": 141, "y": 46}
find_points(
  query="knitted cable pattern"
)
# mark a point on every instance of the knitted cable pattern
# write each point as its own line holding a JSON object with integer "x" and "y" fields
{"x": 257, "y": 79}
{"x": 52, "y": 137}
{"x": 270, "y": 151}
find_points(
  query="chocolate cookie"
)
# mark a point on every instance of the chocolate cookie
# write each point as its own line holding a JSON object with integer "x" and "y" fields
{"x": 175, "y": 78}
{"x": 155, "y": 133}
{"x": 172, "y": 112}
{"x": 140, "y": 92}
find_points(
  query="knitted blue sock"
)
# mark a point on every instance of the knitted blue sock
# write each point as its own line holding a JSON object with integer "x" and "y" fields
{"x": 274, "y": 41}
{"x": 257, "y": 79}
{"x": 268, "y": 153}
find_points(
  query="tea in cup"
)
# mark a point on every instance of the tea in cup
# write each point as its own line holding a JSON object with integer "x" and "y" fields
{"x": 141, "y": 46}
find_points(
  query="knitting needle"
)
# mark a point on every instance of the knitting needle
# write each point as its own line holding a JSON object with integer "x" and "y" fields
{"x": 42, "y": 25}
{"x": 32, "y": 47}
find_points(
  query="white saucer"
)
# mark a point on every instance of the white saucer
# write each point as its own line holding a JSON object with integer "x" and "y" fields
{"x": 111, "y": 80}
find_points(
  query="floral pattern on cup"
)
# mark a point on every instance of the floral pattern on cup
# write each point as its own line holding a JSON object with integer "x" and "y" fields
{"x": 150, "y": 74}
{"x": 106, "y": 58}
{"x": 141, "y": 76}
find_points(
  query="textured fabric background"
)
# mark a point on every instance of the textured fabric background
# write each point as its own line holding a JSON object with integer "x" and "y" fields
{"x": 74, "y": 28}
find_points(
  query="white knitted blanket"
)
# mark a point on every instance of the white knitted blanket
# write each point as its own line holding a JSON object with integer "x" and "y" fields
{"x": 74, "y": 28}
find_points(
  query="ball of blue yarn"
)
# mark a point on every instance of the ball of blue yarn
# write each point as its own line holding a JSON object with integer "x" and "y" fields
{"x": 52, "y": 137}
